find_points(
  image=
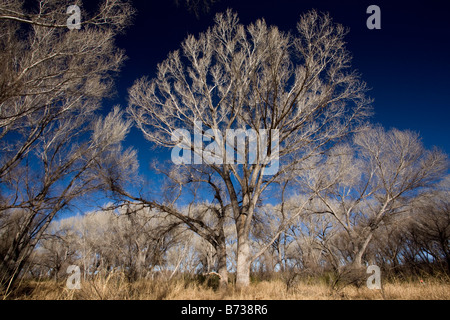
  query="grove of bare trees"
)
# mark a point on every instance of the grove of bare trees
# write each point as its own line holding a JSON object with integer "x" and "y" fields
{"x": 345, "y": 193}
{"x": 146, "y": 244}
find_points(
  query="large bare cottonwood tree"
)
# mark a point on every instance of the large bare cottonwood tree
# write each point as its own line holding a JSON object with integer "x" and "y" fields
{"x": 52, "y": 142}
{"x": 299, "y": 86}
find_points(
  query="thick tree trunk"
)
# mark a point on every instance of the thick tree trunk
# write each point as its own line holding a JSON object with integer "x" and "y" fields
{"x": 243, "y": 262}
{"x": 222, "y": 266}
{"x": 244, "y": 258}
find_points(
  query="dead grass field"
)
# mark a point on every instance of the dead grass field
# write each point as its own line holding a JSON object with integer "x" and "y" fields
{"x": 117, "y": 288}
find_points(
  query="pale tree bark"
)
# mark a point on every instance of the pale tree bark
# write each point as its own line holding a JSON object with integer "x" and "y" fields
{"x": 295, "y": 86}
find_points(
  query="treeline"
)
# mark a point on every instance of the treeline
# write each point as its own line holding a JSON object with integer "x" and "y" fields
{"x": 142, "y": 243}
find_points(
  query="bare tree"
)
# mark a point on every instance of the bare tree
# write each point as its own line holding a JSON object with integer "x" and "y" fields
{"x": 366, "y": 187}
{"x": 57, "y": 249}
{"x": 307, "y": 246}
{"x": 429, "y": 226}
{"x": 255, "y": 77}
{"x": 417, "y": 240}
{"x": 52, "y": 143}
{"x": 207, "y": 218}
{"x": 133, "y": 240}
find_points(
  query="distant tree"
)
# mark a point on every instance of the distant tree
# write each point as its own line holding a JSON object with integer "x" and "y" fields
{"x": 52, "y": 142}
{"x": 254, "y": 77}
{"x": 366, "y": 186}
{"x": 206, "y": 217}
{"x": 57, "y": 249}
{"x": 417, "y": 240}
{"x": 429, "y": 226}
{"x": 133, "y": 240}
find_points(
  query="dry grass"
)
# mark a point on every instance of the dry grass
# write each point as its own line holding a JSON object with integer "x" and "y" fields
{"x": 116, "y": 287}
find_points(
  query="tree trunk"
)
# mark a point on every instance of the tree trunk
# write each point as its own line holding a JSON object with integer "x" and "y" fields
{"x": 357, "y": 261}
{"x": 222, "y": 266}
{"x": 243, "y": 262}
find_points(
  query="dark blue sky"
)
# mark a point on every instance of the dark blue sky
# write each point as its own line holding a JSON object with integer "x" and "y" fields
{"x": 406, "y": 63}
